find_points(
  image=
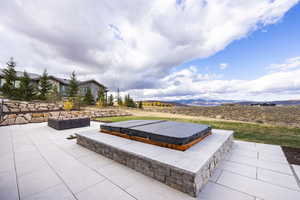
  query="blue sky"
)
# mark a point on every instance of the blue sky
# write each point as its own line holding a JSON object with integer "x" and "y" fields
{"x": 161, "y": 49}
{"x": 249, "y": 57}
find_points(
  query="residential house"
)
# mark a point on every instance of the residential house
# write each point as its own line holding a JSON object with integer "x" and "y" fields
{"x": 62, "y": 84}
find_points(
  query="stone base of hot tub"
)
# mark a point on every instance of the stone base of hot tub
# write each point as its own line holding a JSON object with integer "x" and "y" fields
{"x": 187, "y": 171}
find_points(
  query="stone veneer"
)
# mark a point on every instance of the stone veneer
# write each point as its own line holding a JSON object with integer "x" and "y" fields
{"x": 181, "y": 178}
{"x": 11, "y": 106}
{"x": 22, "y": 112}
{"x": 24, "y": 118}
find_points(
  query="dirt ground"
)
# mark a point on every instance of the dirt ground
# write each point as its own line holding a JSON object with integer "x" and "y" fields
{"x": 179, "y": 116}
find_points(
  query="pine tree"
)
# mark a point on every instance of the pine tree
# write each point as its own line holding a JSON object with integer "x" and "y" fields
{"x": 26, "y": 91}
{"x": 73, "y": 86}
{"x": 128, "y": 101}
{"x": 120, "y": 101}
{"x": 88, "y": 98}
{"x": 101, "y": 97}
{"x": 10, "y": 76}
{"x": 44, "y": 86}
{"x": 111, "y": 100}
{"x": 131, "y": 103}
{"x": 54, "y": 94}
{"x": 140, "y": 105}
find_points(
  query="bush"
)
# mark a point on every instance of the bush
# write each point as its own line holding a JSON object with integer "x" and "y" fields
{"x": 68, "y": 105}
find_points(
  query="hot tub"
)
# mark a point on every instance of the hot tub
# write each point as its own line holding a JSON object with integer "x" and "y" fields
{"x": 170, "y": 134}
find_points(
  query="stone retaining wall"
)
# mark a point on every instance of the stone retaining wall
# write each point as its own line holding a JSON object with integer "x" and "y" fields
{"x": 23, "y": 106}
{"x": 24, "y": 118}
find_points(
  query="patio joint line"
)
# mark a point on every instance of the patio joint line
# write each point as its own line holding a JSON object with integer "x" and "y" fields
{"x": 15, "y": 168}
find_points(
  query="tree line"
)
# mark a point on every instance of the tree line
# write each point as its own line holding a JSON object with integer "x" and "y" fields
{"x": 44, "y": 90}
{"x": 22, "y": 88}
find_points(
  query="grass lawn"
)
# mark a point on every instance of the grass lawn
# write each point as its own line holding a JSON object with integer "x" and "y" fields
{"x": 283, "y": 136}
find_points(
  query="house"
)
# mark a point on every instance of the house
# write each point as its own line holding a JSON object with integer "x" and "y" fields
{"x": 62, "y": 84}
{"x": 32, "y": 76}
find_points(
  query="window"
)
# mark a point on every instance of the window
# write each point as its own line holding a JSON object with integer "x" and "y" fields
{"x": 17, "y": 84}
{"x": 2, "y": 81}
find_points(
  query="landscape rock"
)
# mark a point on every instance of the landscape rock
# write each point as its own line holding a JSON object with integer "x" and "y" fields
{"x": 20, "y": 120}
{"x": 5, "y": 109}
{"x": 28, "y": 117}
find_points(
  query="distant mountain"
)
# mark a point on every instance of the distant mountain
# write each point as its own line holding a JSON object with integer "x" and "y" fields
{"x": 284, "y": 102}
{"x": 204, "y": 102}
{"x": 214, "y": 102}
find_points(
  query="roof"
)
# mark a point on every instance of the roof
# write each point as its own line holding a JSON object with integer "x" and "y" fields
{"x": 61, "y": 80}
{"x": 20, "y": 74}
{"x": 91, "y": 81}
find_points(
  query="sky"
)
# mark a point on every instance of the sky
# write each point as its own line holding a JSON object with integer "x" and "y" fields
{"x": 166, "y": 50}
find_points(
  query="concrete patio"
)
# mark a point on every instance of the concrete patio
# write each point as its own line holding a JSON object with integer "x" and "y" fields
{"x": 38, "y": 162}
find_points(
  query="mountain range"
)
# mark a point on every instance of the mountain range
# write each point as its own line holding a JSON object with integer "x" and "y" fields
{"x": 214, "y": 102}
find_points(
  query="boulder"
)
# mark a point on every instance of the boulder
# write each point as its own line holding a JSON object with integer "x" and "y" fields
{"x": 24, "y": 109}
{"x": 8, "y": 121}
{"x": 21, "y": 120}
{"x": 15, "y": 110}
{"x": 54, "y": 114}
{"x": 28, "y": 116}
{"x": 5, "y": 108}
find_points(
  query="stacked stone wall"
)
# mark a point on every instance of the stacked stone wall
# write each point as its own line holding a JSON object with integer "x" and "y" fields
{"x": 20, "y": 112}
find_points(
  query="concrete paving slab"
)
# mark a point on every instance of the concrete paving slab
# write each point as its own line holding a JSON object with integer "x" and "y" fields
{"x": 213, "y": 191}
{"x": 244, "y": 170}
{"x": 6, "y": 162}
{"x": 50, "y": 145}
{"x": 27, "y": 167}
{"x": 279, "y": 167}
{"x": 104, "y": 190}
{"x": 256, "y": 188}
{"x": 37, "y": 181}
{"x": 279, "y": 179}
{"x": 53, "y": 193}
{"x": 8, "y": 186}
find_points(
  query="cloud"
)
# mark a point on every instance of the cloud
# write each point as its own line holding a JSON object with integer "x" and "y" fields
{"x": 190, "y": 83}
{"x": 223, "y": 66}
{"x": 289, "y": 64}
{"x": 133, "y": 45}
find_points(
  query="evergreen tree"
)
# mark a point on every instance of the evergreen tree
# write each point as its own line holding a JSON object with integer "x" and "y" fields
{"x": 120, "y": 101}
{"x": 111, "y": 100}
{"x": 125, "y": 103}
{"x": 44, "y": 86}
{"x": 54, "y": 94}
{"x": 101, "y": 97}
{"x": 140, "y": 105}
{"x": 128, "y": 101}
{"x": 88, "y": 98}
{"x": 73, "y": 86}
{"x": 9, "y": 76}
{"x": 26, "y": 90}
